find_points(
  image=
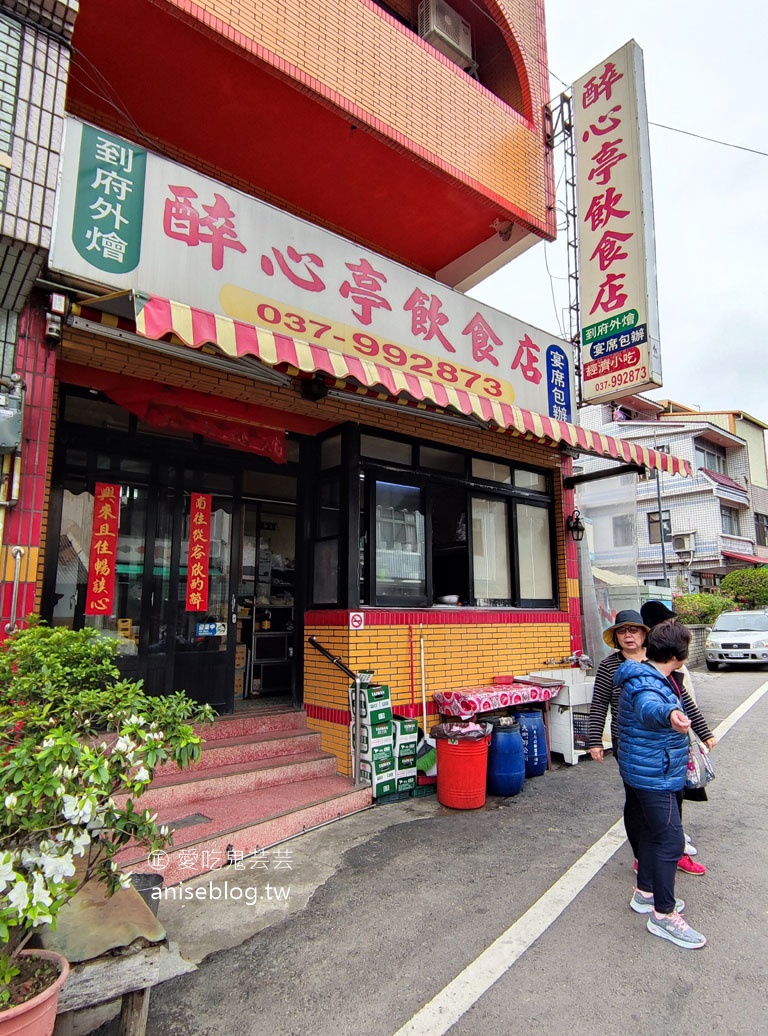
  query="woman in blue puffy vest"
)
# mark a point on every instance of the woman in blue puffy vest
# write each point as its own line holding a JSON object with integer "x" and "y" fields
{"x": 653, "y": 756}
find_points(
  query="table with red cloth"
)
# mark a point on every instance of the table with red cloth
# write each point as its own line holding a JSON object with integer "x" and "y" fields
{"x": 469, "y": 701}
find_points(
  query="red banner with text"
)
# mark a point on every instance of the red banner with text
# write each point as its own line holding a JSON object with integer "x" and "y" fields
{"x": 100, "y": 599}
{"x": 199, "y": 552}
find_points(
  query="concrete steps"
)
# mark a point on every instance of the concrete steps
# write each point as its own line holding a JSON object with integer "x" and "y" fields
{"x": 262, "y": 778}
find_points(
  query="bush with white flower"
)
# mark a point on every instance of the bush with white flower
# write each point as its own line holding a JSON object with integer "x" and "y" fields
{"x": 78, "y": 746}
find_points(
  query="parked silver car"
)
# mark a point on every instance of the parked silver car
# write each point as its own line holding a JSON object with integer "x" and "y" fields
{"x": 738, "y": 638}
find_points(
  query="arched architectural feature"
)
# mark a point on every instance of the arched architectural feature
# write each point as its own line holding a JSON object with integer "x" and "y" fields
{"x": 498, "y": 61}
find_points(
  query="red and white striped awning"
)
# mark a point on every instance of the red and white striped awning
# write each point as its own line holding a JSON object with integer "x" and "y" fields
{"x": 157, "y": 318}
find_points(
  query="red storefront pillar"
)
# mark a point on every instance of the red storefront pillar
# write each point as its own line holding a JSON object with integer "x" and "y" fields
{"x": 24, "y": 520}
{"x": 572, "y": 565}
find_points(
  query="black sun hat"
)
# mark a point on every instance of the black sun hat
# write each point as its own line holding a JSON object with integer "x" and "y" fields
{"x": 654, "y": 612}
{"x": 623, "y": 618}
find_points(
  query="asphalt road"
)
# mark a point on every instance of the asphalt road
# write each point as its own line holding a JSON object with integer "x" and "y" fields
{"x": 386, "y": 908}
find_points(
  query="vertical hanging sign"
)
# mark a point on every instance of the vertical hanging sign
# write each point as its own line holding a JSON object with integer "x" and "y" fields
{"x": 620, "y": 349}
{"x": 100, "y": 599}
{"x": 199, "y": 552}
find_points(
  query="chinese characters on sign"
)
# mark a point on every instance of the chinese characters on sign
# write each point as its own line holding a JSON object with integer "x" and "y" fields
{"x": 619, "y": 335}
{"x": 110, "y": 202}
{"x": 184, "y": 237}
{"x": 199, "y": 552}
{"x": 558, "y": 384}
{"x": 100, "y": 598}
{"x": 183, "y": 222}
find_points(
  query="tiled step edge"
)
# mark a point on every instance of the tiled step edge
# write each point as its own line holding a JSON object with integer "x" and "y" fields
{"x": 245, "y": 749}
{"x": 188, "y": 786}
{"x": 239, "y": 724}
{"x": 182, "y": 864}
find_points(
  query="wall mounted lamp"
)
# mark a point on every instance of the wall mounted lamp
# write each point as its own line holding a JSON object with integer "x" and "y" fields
{"x": 313, "y": 389}
{"x": 574, "y": 523}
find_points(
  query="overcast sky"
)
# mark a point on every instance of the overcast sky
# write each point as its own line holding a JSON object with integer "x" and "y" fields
{"x": 704, "y": 72}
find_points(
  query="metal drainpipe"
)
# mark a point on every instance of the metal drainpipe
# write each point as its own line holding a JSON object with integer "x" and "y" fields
{"x": 18, "y": 554}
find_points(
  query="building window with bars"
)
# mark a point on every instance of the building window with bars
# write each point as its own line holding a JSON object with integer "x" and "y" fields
{"x": 659, "y": 527}
{"x": 761, "y": 530}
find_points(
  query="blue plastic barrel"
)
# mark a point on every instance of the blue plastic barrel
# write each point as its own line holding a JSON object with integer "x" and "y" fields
{"x": 506, "y": 759}
{"x": 534, "y": 736}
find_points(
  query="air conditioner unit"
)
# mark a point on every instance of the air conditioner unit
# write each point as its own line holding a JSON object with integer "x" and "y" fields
{"x": 447, "y": 31}
{"x": 684, "y": 543}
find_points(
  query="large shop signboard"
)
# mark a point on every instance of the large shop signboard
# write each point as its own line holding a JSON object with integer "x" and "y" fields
{"x": 620, "y": 351}
{"x": 128, "y": 219}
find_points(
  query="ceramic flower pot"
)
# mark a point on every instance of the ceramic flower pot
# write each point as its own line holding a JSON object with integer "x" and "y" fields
{"x": 36, "y": 1017}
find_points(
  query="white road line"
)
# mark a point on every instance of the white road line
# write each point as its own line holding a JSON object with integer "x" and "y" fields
{"x": 455, "y": 999}
{"x": 730, "y": 721}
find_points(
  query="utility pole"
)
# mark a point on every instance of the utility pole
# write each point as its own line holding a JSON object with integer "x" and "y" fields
{"x": 657, "y": 474}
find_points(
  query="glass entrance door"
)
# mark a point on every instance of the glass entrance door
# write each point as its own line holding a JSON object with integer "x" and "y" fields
{"x": 190, "y": 650}
{"x": 159, "y": 640}
{"x": 266, "y": 600}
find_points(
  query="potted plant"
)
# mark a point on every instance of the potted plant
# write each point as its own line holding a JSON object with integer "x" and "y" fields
{"x": 78, "y": 747}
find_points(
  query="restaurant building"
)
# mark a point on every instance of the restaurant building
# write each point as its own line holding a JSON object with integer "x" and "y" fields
{"x": 259, "y": 406}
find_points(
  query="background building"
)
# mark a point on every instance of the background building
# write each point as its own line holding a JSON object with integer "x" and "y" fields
{"x": 708, "y": 525}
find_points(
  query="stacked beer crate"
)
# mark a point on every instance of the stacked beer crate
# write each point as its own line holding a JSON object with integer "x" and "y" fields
{"x": 377, "y": 750}
{"x": 387, "y": 742}
{"x": 406, "y": 735}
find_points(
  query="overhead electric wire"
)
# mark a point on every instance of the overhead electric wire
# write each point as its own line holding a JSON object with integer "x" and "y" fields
{"x": 712, "y": 140}
{"x": 676, "y": 129}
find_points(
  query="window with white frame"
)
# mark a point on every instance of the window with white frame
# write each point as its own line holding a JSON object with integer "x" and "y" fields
{"x": 729, "y": 519}
{"x": 710, "y": 456}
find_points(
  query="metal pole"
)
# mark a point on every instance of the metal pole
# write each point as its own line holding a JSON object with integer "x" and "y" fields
{"x": 358, "y": 731}
{"x": 661, "y": 527}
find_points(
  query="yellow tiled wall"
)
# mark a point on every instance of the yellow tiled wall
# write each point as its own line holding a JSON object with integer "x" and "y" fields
{"x": 455, "y": 656}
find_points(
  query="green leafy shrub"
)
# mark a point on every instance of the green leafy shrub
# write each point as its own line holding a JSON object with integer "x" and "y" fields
{"x": 749, "y": 586}
{"x": 78, "y": 745}
{"x": 702, "y": 609}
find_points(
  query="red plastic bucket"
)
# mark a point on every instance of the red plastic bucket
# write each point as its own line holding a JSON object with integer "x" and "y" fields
{"x": 461, "y": 772}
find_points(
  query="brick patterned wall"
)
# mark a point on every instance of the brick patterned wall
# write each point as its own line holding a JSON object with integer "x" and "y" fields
{"x": 10, "y": 62}
{"x": 56, "y": 15}
{"x": 363, "y": 61}
{"x": 8, "y": 329}
{"x": 467, "y": 652}
{"x": 36, "y": 66}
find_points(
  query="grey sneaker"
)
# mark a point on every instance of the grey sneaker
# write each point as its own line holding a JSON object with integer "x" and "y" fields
{"x": 644, "y": 904}
{"x": 675, "y": 928}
